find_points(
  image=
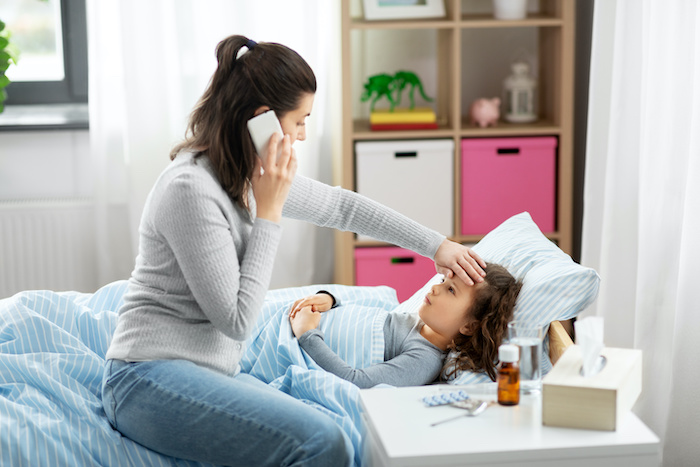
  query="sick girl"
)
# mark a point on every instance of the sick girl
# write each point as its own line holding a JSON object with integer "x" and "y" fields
{"x": 458, "y": 327}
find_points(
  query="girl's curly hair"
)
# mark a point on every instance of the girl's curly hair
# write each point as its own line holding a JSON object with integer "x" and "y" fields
{"x": 492, "y": 308}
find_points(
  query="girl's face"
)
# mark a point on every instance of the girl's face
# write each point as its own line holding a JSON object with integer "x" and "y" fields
{"x": 444, "y": 308}
{"x": 294, "y": 122}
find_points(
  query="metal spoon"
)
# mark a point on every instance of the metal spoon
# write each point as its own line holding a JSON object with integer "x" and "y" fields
{"x": 473, "y": 408}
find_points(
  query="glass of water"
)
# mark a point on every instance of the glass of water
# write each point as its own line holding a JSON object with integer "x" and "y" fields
{"x": 528, "y": 337}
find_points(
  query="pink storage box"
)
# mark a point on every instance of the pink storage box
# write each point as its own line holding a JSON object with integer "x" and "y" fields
{"x": 401, "y": 269}
{"x": 502, "y": 177}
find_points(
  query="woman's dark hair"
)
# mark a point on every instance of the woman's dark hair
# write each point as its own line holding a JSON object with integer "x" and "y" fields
{"x": 268, "y": 74}
{"x": 492, "y": 308}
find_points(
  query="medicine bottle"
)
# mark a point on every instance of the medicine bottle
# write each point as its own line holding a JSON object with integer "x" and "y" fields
{"x": 508, "y": 375}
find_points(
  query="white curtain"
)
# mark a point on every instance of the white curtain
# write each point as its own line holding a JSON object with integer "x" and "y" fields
{"x": 641, "y": 226}
{"x": 149, "y": 63}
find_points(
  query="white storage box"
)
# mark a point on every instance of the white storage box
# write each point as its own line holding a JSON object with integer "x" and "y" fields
{"x": 414, "y": 178}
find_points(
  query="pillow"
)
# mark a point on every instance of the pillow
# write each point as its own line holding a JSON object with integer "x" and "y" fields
{"x": 555, "y": 288}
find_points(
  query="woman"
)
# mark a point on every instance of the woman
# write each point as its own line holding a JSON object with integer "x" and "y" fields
{"x": 208, "y": 237}
{"x": 458, "y": 327}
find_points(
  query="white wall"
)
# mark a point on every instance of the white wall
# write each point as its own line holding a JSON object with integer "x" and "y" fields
{"x": 47, "y": 217}
{"x": 44, "y": 164}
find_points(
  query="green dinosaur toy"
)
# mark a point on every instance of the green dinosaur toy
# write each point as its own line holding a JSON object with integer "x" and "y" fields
{"x": 384, "y": 85}
{"x": 403, "y": 78}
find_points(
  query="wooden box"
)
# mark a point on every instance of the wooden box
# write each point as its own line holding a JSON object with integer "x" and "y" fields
{"x": 597, "y": 402}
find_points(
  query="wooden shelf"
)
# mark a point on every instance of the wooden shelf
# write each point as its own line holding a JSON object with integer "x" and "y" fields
{"x": 488, "y": 21}
{"x": 541, "y": 127}
{"x": 362, "y": 131}
{"x": 465, "y": 239}
{"x": 465, "y": 22}
{"x": 400, "y": 24}
{"x": 461, "y": 38}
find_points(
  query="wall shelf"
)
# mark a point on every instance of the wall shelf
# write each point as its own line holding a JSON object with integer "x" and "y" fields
{"x": 450, "y": 54}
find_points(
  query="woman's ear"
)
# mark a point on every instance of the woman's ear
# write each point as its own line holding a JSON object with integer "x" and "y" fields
{"x": 468, "y": 329}
{"x": 261, "y": 109}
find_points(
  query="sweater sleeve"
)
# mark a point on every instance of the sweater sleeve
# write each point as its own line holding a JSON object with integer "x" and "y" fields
{"x": 335, "y": 207}
{"x": 411, "y": 368}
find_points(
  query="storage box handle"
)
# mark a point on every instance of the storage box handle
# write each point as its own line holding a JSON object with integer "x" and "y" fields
{"x": 508, "y": 151}
{"x": 402, "y": 260}
{"x": 406, "y": 154}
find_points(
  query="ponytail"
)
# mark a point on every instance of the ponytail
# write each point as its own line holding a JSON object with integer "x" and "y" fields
{"x": 248, "y": 76}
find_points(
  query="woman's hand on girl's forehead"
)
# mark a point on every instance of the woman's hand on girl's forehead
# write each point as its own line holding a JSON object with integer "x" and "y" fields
{"x": 456, "y": 259}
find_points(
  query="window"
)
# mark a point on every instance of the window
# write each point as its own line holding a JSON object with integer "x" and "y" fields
{"x": 51, "y": 37}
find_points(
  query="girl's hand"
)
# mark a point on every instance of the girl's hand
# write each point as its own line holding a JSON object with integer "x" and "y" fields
{"x": 453, "y": 258}
{"x": 319, "y": 303}
{"x": 271, "y": 187}
{"x": 304, "y": 320}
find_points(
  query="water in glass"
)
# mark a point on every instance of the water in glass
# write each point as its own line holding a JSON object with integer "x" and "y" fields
{"x": 530, "y": 366}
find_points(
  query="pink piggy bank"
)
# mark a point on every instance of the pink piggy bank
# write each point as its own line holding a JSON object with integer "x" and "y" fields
{"x": 485, "y": 112}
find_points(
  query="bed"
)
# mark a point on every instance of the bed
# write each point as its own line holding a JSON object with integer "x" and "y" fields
{"x": 52, "y": 348}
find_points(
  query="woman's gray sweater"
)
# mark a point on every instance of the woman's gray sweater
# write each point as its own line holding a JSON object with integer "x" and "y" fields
{"x": 204, "y": 263}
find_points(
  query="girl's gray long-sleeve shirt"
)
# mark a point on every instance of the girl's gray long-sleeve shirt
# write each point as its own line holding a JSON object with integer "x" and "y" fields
{"x": 409, "y": 359}
{"x": 204, "y": 263}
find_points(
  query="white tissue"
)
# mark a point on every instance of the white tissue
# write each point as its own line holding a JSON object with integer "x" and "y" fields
{"x": 589, "y": 337}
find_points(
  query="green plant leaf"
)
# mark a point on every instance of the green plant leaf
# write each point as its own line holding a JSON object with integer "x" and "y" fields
{"x": 4, "y": 81}
{"x": 3, "y": 42}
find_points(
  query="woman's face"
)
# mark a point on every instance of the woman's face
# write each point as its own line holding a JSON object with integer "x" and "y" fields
{"x": 444, "y": 308}
{"x": 294, "y": 122}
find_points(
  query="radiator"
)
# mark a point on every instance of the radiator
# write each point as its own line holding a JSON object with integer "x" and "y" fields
{"x": 47, "y": 244}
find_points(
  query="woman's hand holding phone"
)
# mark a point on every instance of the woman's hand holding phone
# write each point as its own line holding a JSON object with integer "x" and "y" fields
{"x": 272, "y": 185}
{"x": 261, "y": 127}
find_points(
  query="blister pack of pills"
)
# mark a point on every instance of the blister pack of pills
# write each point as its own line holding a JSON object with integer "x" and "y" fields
{"x": 445, "y": 398}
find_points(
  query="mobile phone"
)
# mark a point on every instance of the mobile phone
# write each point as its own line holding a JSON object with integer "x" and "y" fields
{"x": 261, "y": 128}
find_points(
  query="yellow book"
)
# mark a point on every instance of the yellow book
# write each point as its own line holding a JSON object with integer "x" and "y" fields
{"x": 403, "y": 115}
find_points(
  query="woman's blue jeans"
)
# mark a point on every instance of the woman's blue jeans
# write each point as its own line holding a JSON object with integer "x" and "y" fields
{"x": 183, "y": 410}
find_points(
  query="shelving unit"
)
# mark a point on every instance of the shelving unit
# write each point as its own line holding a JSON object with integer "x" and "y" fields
{"x": 457, "y": 76}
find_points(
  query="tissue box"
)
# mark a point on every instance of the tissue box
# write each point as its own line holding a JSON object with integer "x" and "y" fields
{"x": 597, "y": 402}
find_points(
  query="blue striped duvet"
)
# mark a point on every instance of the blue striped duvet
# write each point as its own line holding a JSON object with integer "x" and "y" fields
{"x": 354, "y": 331}
{"x": 52, "y": 347}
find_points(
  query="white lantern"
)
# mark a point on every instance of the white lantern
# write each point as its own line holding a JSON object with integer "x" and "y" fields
{"x": 519, "y": 99}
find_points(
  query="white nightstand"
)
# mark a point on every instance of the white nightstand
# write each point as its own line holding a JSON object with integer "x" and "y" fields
{"x": 398, "y": 433}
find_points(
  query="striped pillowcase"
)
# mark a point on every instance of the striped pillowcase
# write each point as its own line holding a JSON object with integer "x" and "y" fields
{"x": 555, "y": 288}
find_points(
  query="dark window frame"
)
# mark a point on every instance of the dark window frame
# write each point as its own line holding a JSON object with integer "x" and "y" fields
{"x": 73, "y": 89}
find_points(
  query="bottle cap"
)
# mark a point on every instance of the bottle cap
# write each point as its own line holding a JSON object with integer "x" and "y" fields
{"x": 508, "y": 353}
